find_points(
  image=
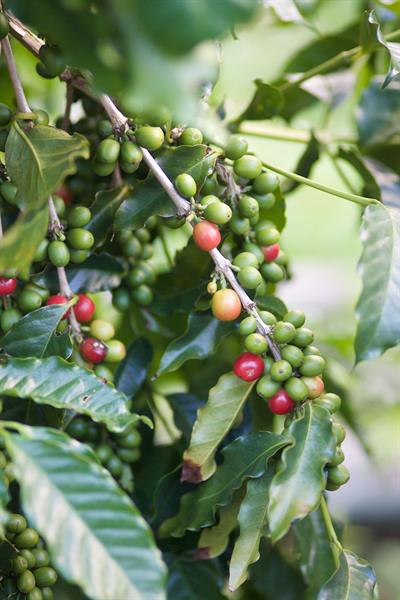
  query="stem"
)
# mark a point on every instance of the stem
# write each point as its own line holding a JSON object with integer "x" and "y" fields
{"x": 68, "y": 104}
{"x": 329, "y": 525}
{"x": 118, "y": 120}
{"x": 286, "y": 134}
{"x": 20, "y": 98}
{"x": 321, "y": 187}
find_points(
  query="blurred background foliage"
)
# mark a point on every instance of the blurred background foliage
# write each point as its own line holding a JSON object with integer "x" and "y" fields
{"x": 321, "y": 237}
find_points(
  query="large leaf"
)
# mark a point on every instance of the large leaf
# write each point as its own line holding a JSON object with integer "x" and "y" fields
{"x": 185, "y": 407}
{"x": 299, "y": 481}
{"x": 193, "y": 579}
{"x": 378, "y": 309}
{"x": 38, "y": 160}
{"x": 318, "y": 556}
{"x": 103, "y": 545}
{"x": 245, "y": 457}
{"x": 377, "y": 115}
{"x": 33, "y": 335}
{"x": 253, "y": 523}
{"x": 214, "y": 420}
{"x": 354, "y": 580}
{"x": 103, "y": 209}
{"x": 213, "y": 541}
{"x": 372, "y": 32}
{"x": 55, "y": 382}
{"x": 266, "y": 102}
{"x": 132, "y": 371}
{"x": 19, "y": 244}
{"x": 201, "y": 339}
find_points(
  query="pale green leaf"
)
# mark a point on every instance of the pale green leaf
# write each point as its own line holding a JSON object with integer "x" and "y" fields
{"x": 354, "y": 580}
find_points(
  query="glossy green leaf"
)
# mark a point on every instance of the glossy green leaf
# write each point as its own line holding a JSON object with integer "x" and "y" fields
{"x": 213, "y": 541}
{"x": 354, "y": 580}
{"x": 272, "y": 304}
{"x": 103, "y": 209}
{"x": 317, "y": 555}
{"x": 253, "y": 523}
{"x": 193, "y": 579}
{"x": 191, "y": 22}
{"x": 107, "y": 547}
{"x": 39, "y": 159}
{"x": 132, "y": 371}
{"x": 185, "y": 407}
{"x": 60, "y": 345}
{"x": 299, "y": 480}
{"x": 372, "y": 27}
{"x": 243, "y": 458}
{"x": 201, "y": 339}
{"x": 214, "y": 420}
{"x": 377, "y": 115}
{"x": 364, "y": 168}
{"x": 55, "y": 382}
{"x": 19, "y": 244}
{"x": 378, "y": 308}
{"x": 267, "y": 102}
{"x": 32, "y": 335}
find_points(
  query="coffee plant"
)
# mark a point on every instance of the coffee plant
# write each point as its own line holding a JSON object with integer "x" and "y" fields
{"x": 169, "y": 427}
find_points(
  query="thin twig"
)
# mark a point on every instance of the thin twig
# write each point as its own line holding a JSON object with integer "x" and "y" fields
{"x": 68, "y": 103}
{"x": 20, "y": 97}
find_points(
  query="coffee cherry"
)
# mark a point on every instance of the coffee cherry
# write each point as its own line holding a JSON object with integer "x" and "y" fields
{"x": 339, "y": 432}
{"x": 311, "y": 350}
{"x": 104, "y": 128}
{"x": 157, "y": 115}
{"x": 108, "y": 151}
{"x": 131, "y": 153}
{"x": 116, "y": 351}
{"x": 84, "y": 308}
{"x": 53, "y": 59}
{"x": 186, "y": 185}
{"x": 265, "y": 183}
{"x": 41, "y": 251}
{"x": 225, "y": 305}
{"x": 249, "y": 277}
{"x": 132, "y": 248}
{"x": 338, "y": 475}
{"x": 29, "y": 557}
{"x": 267, "y": 317}
{"x": 218, "y": 212}
{"x": 121, "y": 299}
{"x": 7, "y": 285}
{"x": 303, "y": 337}
{"x": 19, "y": 564}
{"x": 296, "y": 389}
{"x": 338, "y": 458}
{"x": 9, "y": 192}
{"x": 315, "y": 386}
{"x": 143, "y": 295}
{"x": 329, "y": 401}
{"x": 293, "y": 355}
{"x": 265, "y": 201}
{"x": 104, "y": 453}
{"x": 29, "y": 300}
{"x": 102, "y": 169}
{"x": 9, "y": 317}
{"x": 35, "y": 594}
{"x": 236, "y": 147}
{"x": 80, "y": 239}
{"x": 79, "y": 216}
{"x": 58, "y": 253}
{"x": 247, "y": 166}
{"x": 266, "y": 387}
{"x": 247, "y": 326}
{"x": 284, "y": 332}
{"x": 281, "y": 370}
{"x": 102, "y": 330}
{"x": 254, "y": 249}
{"x": 114, "y": 465}
{"x": 130, "y": 440}
{"x": 270, "y": 252}
{"x": 256, "y": 343}
{"x": 58, "y": 299}
{"x": 128, "y": 455}
{"x": 26, "y": 539}
{"x": 312, "y": 365}
{"x": 281, "y": 403}
{"x": 212, "y": 287}
{"x": 93, "y": 350}
{"x": 45, "y": 576}
{"x": 47, "y": 593}
{"x": 104, "y": 372}
{"x": 151, "y": 138}
{"x": 16, "y": 523}
{"x": 42, "y": 558}
{"x": 272, "y": 272}
{"x": 26, "y": 582}
{"x": 239, "y": 225}
{"x": 4, "y": 31}
{"x": 248, "y": 367}
{"x": 206, "y": 236}
{"x": 266, "y": 235}
{"x": 191, "y": 136}
{"x": 248, "y": 207}
{"x": 78, "y": 256}
{"x": 295, "y": 317}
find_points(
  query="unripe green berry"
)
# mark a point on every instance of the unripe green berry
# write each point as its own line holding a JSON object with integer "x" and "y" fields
{"x": 272, "y": 272}
{"x": 296, "y": 317}
{"x": 303, "y": 337}
{"x": 281, "y": 370}
{"x": 256, "y": 343}
{"x": 339, "y": 432}
{"x": 329, "y": 401}
{"x": 267, "y": 317}
{"x": 249, "y": 277}
{"x": 58, "y": 253}
{"x": 191, "y": 136}
{"x": 312, "y": 365}
{"x": 108, "y": 151}
{"x": 265, "y": 201}
{"x": 247, "y": 166}
{"x": 29, "y": 300}
{"x": 102, "y": 330}
{"x": 218, "y": 213}
{"x": 267, "y": 235}
{"x": 9, "y": 317}
{"x": 236, "y": 147}
{"x": 150, "y": 138}
{"x": 186, "y": 185}
{"x": 239, "y": 225}
{"x": 248, "y": 207}
{"x": 338, "y": 475}
{"x": 79, "y": 216}
{"x": 266, "y": 387}
{"x": 296, "y": 389}
{"x": 292, "y": 354}
{"x": 80, "y": 239}
{"x": 247, "y": 326}
{"x": 265, "y": 183}
{"x": 245, "y": 259}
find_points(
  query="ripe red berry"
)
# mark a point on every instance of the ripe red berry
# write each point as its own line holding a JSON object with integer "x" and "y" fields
{"x": 58, "y": 299}
{"x": 93, "y": 350}
{"x": 270, "y": 252}
{"x": 281, "y": 403}
{"x": 64, "y": 192}
{"x": 84, "y": 308}
{"x": 248, "y": 367}
{"x": 206, "y": 235}
{"x": 7, "y": 285}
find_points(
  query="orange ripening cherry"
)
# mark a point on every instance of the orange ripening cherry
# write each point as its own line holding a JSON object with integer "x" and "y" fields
{"x": 225, "y": 305}
{"x": 314, "y": 385}
{"x": 270, "y": 252}
{"x": 206, "y": 236}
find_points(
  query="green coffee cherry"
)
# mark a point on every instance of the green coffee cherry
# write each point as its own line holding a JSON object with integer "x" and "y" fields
{"x": 104, "y": 373}
{"x": 4, "y": 27}
{"x": 116, "y": 351}
{"x": 58, "y": 253}
{"x": 338, "y": 475}
{"x": 128, "y": 455}
{"x": 79, "y": 216}
{"x": 104, "y": 453}
{"x": 281, "y": 370}
{"x": 265, "y": 201}
{"x": 121, "y": 299}
{"x": 267, "y": 317}
{"x": 338, "y": 458}
{"x": 9, "y": 317}
{"x": 47, "y": 593}
{"x": 114, "y": 465}
{"x": 26, "y": 539}
{"x": 132, "y": 248}
{"x": 53, "y": 59}
{"x": 248, "y": 207}
{"x": 296, "y": 389}
{"x": 130, "y": 440}
{"x": 16, "y": 523}
{"x": 312, "y": 366}
{"x": 256, "y": 343}
{"x": 104, "y": 128}
{"x": 218, "y": 213}
{"x": 29, "y": 300}
{"x": 266, "y": 387}
{"x": 329, "y": 401}
{"x": 102, "y": 330}
{"x": 239, "y": 225}
{"x": 266, "y": 235}
{"x": 265, "y": 183}
{"x": 272, "y": 272}
{"x": 78, "y": 256}
{"x": 42, "y": 558}
{"x": 35, "y": 594}
{"x": 29, "y": 556}
{"x": 102, "y": 169}
{"x": 296, "y": 317}
{"x": 9, "y": 192}
{"x": 41, "y": 251}
{"x": 247, "y": 166}
{"x": 186, "y": 185}
{"x": 80, "y": 239}
{"x": 303, "y": 337}
{"x": 108, "y": 151}
{"x": 339, "y": 432}
{"x": 248, "y": 326}
{"x": 5, "y": 111}
{"x": 26, "y": 582}
{"x": 191, "y": 136}
{"x": 78, "y": 428}
{"x": 45, "y": 576}
{"x": 249, "y": 277}
{"x": 308, "y": 350}
{"x": 245, "y": 259}
{"x": 284, "y": 332}
{"x": 256, "y": 250}
{"x": 19, "y": 564}
{"x": 293, "y": 355}
{"x": 150, "y": 138}
{"x": 236, "y": 147}
{"x": 131, "y": 153}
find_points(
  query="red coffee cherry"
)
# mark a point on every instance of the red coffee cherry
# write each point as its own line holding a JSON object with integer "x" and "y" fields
{"x": 270, "y": 252}
{"x": 58, "y": 299}
{"x": 248, "y": 367}
{"x": 93, "y": 350}
{"x": 64, "y": 192}
{"x": 84, "y": 308}
{"x": 281, "y": 403}
{"x": 206, "y": 236}
{"x": 7, "y": 285}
